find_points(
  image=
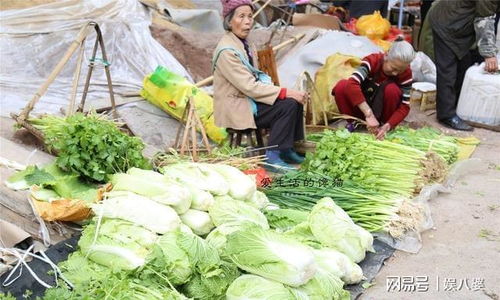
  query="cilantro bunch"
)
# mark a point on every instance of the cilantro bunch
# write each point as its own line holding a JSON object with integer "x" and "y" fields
{"x": 91, "y": 145}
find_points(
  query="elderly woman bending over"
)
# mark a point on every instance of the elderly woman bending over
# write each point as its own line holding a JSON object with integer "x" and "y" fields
{"x": 243, "y": 100}
{"x": 379, "y": 90}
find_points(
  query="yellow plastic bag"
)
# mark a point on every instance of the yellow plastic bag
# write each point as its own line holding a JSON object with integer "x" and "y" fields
{"x": 336, "y": 67}
{"x": 373, "y": 26}
{"x": 171, "y": 92}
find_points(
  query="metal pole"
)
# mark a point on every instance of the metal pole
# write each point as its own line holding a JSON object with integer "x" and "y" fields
{"x": 401, "y": 8}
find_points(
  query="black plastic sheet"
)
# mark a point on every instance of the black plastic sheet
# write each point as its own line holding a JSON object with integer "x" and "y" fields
{"x": 371, "y": 266}
{"x": 57, "y": 253}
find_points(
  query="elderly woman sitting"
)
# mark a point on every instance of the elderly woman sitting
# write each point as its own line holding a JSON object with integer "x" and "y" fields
{"x": 379, "y": 90}
{"x": 243, "y": 100}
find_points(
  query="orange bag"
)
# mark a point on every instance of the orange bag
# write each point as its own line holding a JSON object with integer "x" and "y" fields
{"x": 373, "y": 26}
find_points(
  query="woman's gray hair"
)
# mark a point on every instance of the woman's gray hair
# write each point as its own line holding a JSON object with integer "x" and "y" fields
{"x": 227, "y": 21}
{"x": 401, "y": 50}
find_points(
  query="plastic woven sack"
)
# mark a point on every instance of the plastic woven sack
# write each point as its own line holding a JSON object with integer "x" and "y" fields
{"x": 336, "y": 67}
{"x": 170, "y": 92}
{"x": 373, "y": 26}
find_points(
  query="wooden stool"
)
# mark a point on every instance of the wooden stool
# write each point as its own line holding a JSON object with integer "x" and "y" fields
{"x": 235, "y": 137}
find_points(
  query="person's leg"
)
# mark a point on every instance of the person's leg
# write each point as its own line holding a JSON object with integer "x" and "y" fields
{"x": 281, "y": 119}
{"x": 344, "y": 101}
{"x": 424, "y": 8}
{"x": 299, "y": 125}
{"x": 392, "y": 100}
{"x": 289, "y": 155}
{"x": 447, "y": 67}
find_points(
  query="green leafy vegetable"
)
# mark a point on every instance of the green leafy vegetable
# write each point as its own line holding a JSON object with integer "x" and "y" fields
{"x": 40, "y": 177}
{"x": 302, "y": 233}
{"x": 372, "y": 210}
{"x": 198, "y": 175}
{"x": 322, "y": 286}
{"x": 241, "y": 186}
{"x": 91, "y": 145}
{"x": 54, "y": 183}
{"x": 258, "y": 200}
{"x": 233, "y": 211}
{"x": 253, "y": 287}
{"x": 154, "y": 186}
{"x": 18, "y": 180}
{"x": 217, "y": 238}
{"x": 285, "y": 219}
{"x": 168, "y": 259}
{"x": 271, "y": 255}
{"x": 199, "y": 221}
{"x": 332, "y": 227}
{"x": 333, "y": 262}
{"x": 373, "y": 164}
{"x": 212, "y": 285}
{"x": 138, "y": 210}
{"x": 118, "y": 244}
{"x": 426, "y": 139}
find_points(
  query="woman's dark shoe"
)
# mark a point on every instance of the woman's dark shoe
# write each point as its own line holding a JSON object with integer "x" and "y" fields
{"x": 275, "y": 164}
{"x": 456, "y": 123}
{"x": 291, "y": 157}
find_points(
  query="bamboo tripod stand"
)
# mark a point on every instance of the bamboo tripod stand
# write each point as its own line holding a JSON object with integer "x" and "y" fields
{"x": 189, "y": 142}
{"x": 77, "y": 44}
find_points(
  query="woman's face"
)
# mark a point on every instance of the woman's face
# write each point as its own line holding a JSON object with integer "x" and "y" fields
{"x": 394, "y": 67}
{"x": 242, "y": 21}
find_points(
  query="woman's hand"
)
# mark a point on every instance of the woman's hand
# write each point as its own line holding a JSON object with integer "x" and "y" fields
{"x": 298, "y": 96}
{"x": 371, "y": 123}
{"x": 491, "y": 64}
{"x": 382, "y": 131}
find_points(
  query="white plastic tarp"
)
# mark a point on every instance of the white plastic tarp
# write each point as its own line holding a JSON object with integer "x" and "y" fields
{"x": 313, "y": 55}
{"x": 203, "y": 20}
{"x": 33, "y": 40}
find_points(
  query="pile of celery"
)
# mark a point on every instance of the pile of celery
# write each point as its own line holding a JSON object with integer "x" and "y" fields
{"x": 426, "y": 139}
{"x": 380, "y": 166}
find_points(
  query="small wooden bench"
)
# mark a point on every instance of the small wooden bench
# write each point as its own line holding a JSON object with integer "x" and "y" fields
{"x": 253, "y": 137}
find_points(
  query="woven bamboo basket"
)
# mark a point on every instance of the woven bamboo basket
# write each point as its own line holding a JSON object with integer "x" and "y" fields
{"x": 304, "y": 146}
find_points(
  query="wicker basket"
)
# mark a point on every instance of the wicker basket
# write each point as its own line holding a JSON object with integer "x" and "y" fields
{"x": 303, "y": 146}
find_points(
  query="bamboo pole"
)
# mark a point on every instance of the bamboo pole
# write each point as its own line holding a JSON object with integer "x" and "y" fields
{"x": 210, "y": 79}
{"x": 262, "y": 8}
{"x": 57, "y": 69}
{"x": 76, "y": 78}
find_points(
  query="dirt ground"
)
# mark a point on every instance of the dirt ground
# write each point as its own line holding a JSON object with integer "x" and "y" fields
{"x": 460, "y": 257}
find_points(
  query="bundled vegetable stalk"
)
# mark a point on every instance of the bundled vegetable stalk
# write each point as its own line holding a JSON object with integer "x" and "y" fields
{"x": 90, "y": 145}
{"x": 377, "y": 165}
{"x": 237, "y": 157}
{"x": 374, "y": 211}
{"x": 426, "y": 139}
